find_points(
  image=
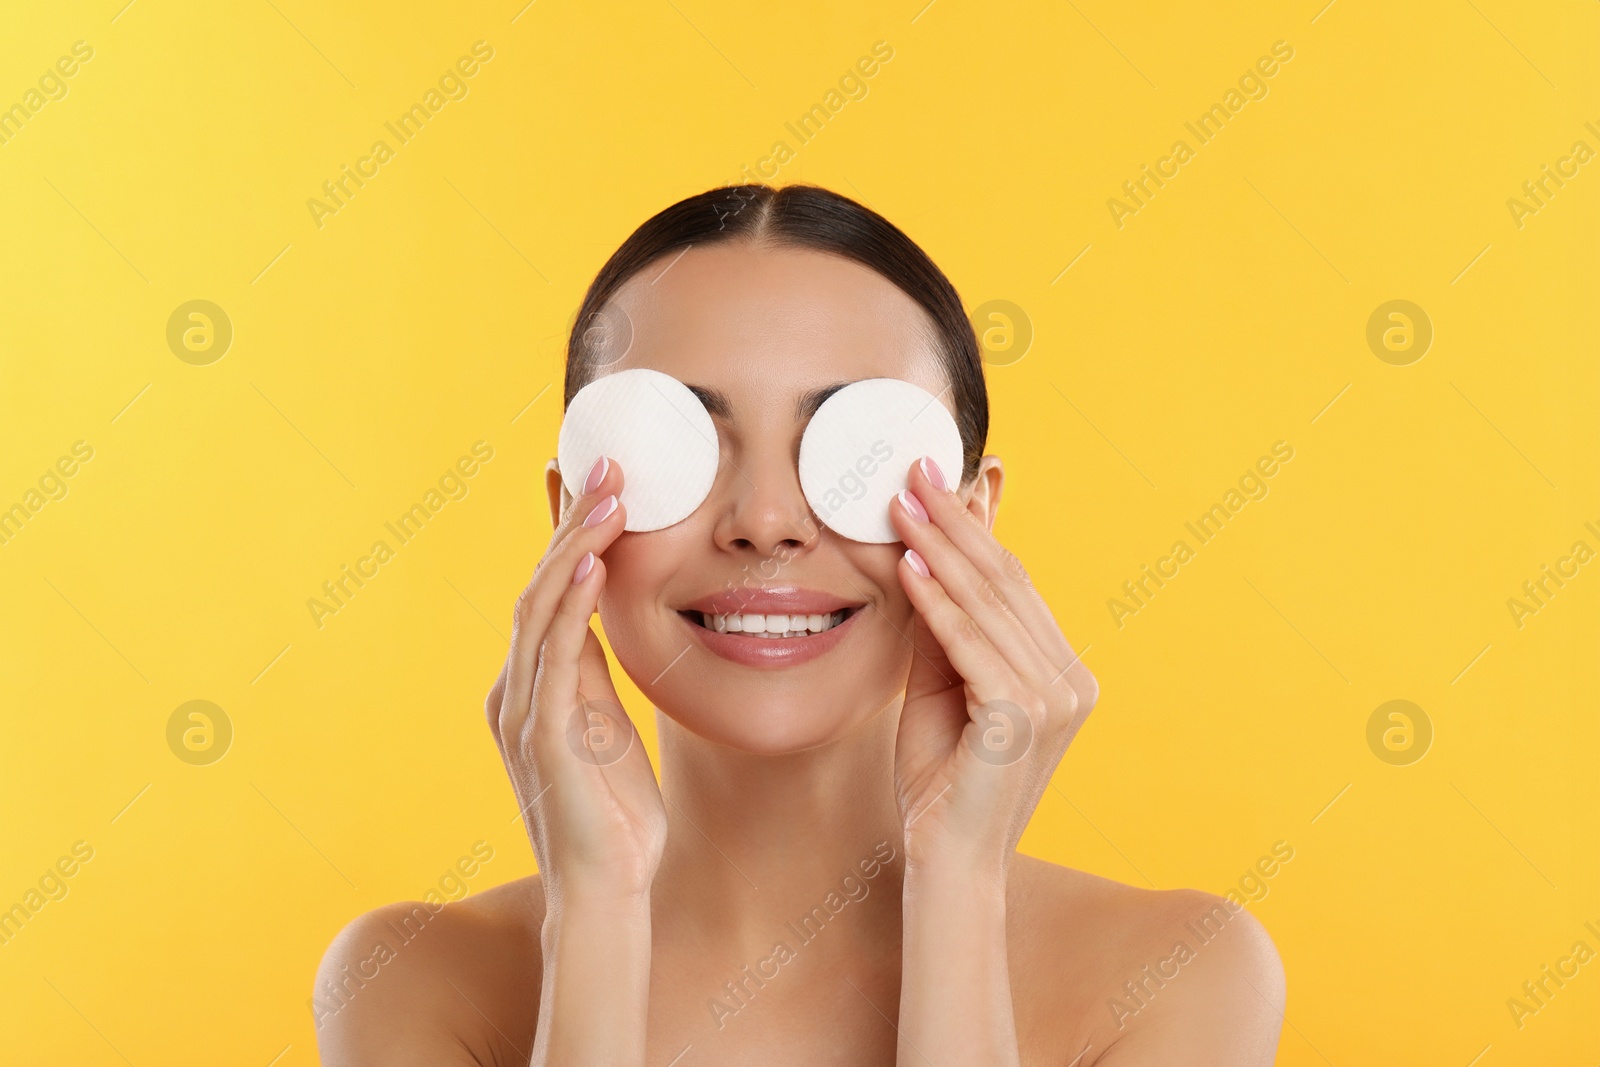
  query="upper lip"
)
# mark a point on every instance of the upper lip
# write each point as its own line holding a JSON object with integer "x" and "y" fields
{"x": 787, "y": 600}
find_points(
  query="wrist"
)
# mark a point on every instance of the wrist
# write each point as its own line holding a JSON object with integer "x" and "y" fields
{"x": 604, "y": 908}
{"x": 589, "y": 942}
{"x": 595, "y": 985}
{"x": 951, "y": 889}
{"x": 980, "y": 875}
{"x": 578, "y": 885}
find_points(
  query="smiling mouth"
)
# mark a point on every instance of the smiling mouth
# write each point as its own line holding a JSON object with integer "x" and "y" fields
{"x": 774, "y": 627}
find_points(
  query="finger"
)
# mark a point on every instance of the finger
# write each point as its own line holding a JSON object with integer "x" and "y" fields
{"x": 971, "y": 590}
{"x": 575, "y": 696}
{"x": 594, "y": 673}
{"x": 988, "y": 674}
{"x": 496, "y": 698}
{"x": 603, "y": 479}
{"x": 1067, "y": 695}
{"x": 598, "y": 507}
{"x": 631, "y": 776}
{"x": 931, "y": 669}
{"x": 560, "y": 674}
{"x": 992, "y": 559}
{"x": 550, "y": 581}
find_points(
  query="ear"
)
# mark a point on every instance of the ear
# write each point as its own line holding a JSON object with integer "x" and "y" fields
{"x": 560, "y": 499}
{"x": 982, "y": 494}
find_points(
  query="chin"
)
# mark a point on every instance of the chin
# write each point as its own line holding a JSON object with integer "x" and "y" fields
{"x": 762, "y": 695}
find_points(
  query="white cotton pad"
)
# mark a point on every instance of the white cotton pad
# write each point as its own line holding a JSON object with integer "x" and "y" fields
{"x": 859, "y": 446}
{"x": 656, "y": 429}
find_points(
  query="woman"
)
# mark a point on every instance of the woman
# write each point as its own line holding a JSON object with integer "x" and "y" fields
{"x": 827, "y": 872}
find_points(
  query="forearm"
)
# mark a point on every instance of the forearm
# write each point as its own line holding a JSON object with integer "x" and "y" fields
{"x": 595, "y": 991}
{"x": 955, "y": 989}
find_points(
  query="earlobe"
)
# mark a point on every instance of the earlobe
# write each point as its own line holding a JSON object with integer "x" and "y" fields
{"x": 560, "y": 499}
{"x": 982, "y": 494}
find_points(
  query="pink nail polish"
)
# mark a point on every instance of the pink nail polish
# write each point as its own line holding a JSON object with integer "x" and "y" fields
{"x": 909, "y": 501}
{"x": 931, "y": 471}
{"x": 585, "y": 565}
{"x": 597, "y": 474}
{"x": 602, "y": 511}
{"x": 917, "y": 563}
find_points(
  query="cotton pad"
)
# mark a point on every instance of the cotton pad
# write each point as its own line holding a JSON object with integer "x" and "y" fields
{"x": 856, "y": 451}
{"x": 659, "y": 432}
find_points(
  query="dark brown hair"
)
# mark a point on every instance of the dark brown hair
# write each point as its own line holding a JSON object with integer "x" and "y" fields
{"x": 800, "y": 216}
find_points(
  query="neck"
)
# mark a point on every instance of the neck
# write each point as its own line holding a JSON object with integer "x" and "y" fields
{"x": 755, "y": 842}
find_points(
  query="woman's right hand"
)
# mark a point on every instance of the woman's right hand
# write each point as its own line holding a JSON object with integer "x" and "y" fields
{"x": 583, "y": 781}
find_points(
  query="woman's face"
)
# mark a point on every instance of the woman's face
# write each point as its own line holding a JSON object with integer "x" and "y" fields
{"x": 764, "y": 333}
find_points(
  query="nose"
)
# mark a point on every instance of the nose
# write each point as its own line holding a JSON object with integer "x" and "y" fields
{"x": 764, "y": 511}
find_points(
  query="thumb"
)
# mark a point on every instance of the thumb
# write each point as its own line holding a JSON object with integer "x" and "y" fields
{"x": 599, "y": 730}
{"x": 935, "y": 709}
{"x": 931, "y": 670}
{"x": 594, "y": 671}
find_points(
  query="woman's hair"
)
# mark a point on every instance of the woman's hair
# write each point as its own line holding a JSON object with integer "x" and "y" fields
{"x": 797, "y": 216}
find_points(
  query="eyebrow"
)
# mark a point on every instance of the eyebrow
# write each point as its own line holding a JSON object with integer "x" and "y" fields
{"x": 718, "y": 405}
{"x": 808, "y": 404}
{"x": 715, "y": 403}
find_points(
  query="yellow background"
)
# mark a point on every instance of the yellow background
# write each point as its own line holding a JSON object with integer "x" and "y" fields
{"x": 369, "y": 354}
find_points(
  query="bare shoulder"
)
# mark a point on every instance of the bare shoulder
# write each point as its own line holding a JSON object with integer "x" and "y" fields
{"x": 413, "y": 982}
{"x": 1126, "y": 976}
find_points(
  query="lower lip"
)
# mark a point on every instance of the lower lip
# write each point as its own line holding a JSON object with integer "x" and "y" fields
{"x": 773, "y": 652}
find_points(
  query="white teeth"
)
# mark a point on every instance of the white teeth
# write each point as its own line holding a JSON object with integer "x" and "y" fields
{"x": 771, "y": 626}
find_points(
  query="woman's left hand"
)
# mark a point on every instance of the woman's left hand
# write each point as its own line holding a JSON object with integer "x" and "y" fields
{"x": 995, "y": 693}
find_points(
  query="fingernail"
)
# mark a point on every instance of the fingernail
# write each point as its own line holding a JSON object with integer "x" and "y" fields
{"x": 917, "y": 563}
{"x": 597, "y": 474}
{"x": 931, "y": 471}
{"x": 602, "y": 511}
{"x": 585, "y": 565}
{"x": 909, "y": 501}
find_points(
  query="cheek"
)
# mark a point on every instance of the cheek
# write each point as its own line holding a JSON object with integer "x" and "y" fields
{"x": 881, "y": 564}
{"x": 766, "y": 712}
{"x": 638, "y": 568}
